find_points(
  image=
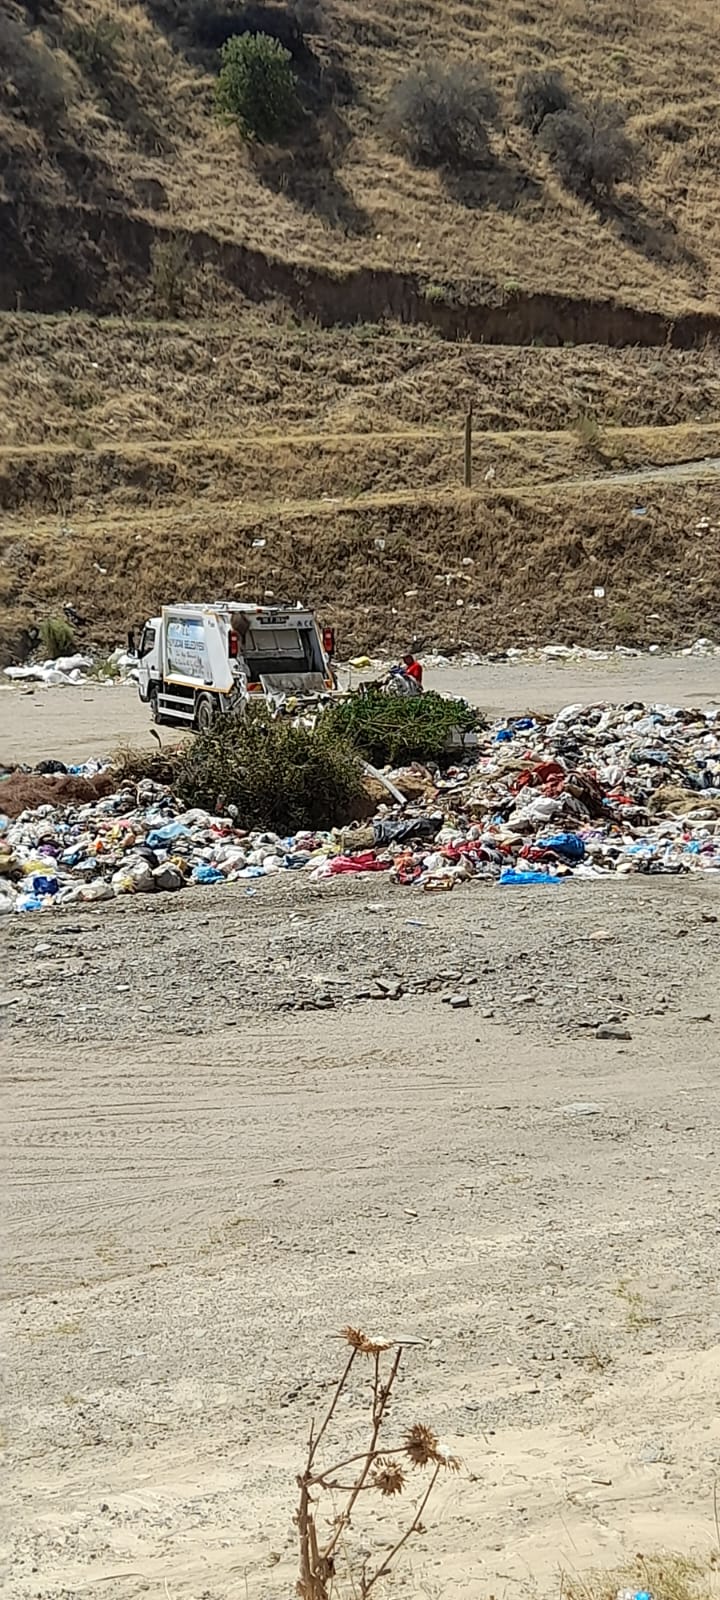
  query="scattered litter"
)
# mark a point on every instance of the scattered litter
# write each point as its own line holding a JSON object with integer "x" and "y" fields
{"x": 115, "y": 668}
{"x": 120, "y": 666}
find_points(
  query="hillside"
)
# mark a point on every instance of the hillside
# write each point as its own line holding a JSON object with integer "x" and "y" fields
{"x": 254, "y": 457}
{"x": 109, "y": 146}
{"x": 244, "y": 368}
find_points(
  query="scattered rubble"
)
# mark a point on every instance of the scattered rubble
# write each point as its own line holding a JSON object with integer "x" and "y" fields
{"x": 591, "y": 791}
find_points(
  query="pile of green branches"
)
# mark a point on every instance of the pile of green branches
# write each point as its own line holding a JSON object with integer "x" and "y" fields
{"x": 392, "y": 730}
{"x": 275, "y": 775}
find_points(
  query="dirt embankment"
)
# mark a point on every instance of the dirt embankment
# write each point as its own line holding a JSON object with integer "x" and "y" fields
{"x": 487, "y": 569}
{"x": 256, "y": 459}
{"x": 106, "y": 260}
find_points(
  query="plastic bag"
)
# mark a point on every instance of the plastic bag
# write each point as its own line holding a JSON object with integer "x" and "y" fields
{"x": 511, "y": 875}
{"x": 365, "y": 862}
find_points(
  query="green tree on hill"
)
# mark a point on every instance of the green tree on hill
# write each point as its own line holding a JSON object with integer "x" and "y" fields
{"x": 256, "y": 88}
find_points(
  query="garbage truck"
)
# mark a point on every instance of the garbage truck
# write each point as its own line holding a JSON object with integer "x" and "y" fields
{"x": 197, "y": 662}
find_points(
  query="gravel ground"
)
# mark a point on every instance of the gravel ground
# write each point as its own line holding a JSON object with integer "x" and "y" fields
{"x": 562, "y": 959}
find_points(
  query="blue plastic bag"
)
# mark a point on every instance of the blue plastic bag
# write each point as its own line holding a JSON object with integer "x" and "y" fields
{"x": 567, "y": 845}
{"x": 165, "y": 835}
{"x": 43, "y": 885}
{"x": 510, "y": 875}
{"x": 205, "y": 873}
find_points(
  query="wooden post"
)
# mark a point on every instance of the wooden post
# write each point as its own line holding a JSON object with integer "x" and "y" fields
{"x": 468, "y": 448}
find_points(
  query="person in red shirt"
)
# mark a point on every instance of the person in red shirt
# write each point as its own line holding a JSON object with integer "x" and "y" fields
{"x": 413, "y": 669}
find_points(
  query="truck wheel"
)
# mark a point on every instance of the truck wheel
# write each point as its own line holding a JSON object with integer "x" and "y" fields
{"x": 204, "y": 712}
{"x": 155, "y": 711}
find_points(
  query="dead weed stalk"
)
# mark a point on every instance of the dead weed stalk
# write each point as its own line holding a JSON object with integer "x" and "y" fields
{"x": 378, "y": 1468}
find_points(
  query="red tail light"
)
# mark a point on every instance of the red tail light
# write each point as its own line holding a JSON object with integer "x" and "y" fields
{"x": 328, "y": 639}
{"x": 232, "y": 645}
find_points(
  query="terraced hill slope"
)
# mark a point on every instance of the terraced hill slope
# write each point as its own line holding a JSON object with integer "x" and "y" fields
{"x": 143, "y": 461}
{"x": 109, "y": 147}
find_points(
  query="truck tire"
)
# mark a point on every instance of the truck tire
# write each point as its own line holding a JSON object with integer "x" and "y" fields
{"x": 204, "y": 712}
{"x": 155, "y": 711}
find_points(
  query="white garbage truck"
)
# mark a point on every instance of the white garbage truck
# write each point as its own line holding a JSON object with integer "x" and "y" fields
{"x": 197, "y": 662}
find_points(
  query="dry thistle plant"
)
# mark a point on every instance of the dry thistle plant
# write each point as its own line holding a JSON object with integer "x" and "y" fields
{"x": 380, "y": 1469}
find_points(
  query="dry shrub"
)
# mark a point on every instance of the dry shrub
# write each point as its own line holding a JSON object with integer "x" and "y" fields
{"x": 273, "y": 774}
{"x": 588, "y": 433}
{"x": 439, "y": 115}
{"x": 93, "y": 46}
{"x": 539, "y": 95}
{"x": 674, "y": 1576}
{"x": 141, "y": 766}
{"x": 32, "y": 77}
{"x": 379, "y": 1468}
{"x": 590, "y": 148}
{"x": 170, "y": 275}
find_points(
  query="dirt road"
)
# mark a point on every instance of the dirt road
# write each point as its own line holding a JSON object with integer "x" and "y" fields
{"x": 76, "y": 724}
{"x": 221, "y": 1144}
{"x": 206, "y": 1181}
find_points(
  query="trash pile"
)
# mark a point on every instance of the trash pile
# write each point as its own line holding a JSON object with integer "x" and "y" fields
{"x": 74, "y": 669}
{"x": 592, "y": 791}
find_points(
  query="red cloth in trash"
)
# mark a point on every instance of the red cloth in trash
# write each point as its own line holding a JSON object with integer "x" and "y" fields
{"x": 546, "y": 772}
{"x": 366, "y": 861}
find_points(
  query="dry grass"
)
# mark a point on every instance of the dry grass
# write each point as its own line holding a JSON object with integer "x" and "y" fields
{"x": 147, "y": 381}
{"x": 343, "y": 453}
{"x": 300, "y": 472}
{"x": 489, "y": 569}
{"x": 664, "y": 1574}
{"x": 142, "y": 120}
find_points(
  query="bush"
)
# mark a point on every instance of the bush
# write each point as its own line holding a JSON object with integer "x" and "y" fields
{"x": 589, "y": 434}
{"x": 392, "y": 730}
{"x": 438, "y": 115}
{"x": 93, "y": 46}
{"x": 256, "y": 87}
{"x": 590, "y": 148}
{"x": 539, "y": 95}
{"x": 170, "y": 274}
{"x": 278, "y": 776}
{"x": 32, "y": 76}
{"x": 57, "y": 637}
